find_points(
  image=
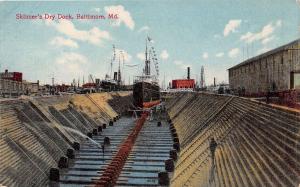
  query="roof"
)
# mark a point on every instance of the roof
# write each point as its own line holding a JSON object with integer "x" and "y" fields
{"x": 268, "y": 53}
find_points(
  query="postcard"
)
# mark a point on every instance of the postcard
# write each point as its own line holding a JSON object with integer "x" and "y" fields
{"x": 197, "y": 93}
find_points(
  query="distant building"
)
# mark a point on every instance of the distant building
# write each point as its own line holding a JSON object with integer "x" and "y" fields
{"x": 62, "y": 88}
{"x": 187, "y": 83}
{"x": 89, "y": 85}
{"x": 275, "y": 71}
{"x": 31, "y": 87}
{"x": 183, "y": 83}
{"x": 14, "y": 76}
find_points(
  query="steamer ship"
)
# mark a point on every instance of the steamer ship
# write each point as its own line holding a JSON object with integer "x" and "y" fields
{"x": 146, "y": 91}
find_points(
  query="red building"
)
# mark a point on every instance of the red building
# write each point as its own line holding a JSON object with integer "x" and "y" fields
{"x": 89, "y": 85}
{"x": 15, "y": 76}
{"x": 183, "y": 83}
{"x": 62, "y": 88}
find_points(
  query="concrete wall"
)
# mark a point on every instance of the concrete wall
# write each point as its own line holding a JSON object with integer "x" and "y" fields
{"x": 35, "y": 132}
{"x": 258, "y": 74}
{"x": 256, "y": 143}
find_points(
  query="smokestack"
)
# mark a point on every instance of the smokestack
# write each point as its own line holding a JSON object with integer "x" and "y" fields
{"x": 115, "y": 76}
{"x": 214, "y": 81}
{"x": 188, "y": 73}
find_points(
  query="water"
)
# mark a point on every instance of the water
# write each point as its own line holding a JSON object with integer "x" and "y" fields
{"x": 82, "y": 135}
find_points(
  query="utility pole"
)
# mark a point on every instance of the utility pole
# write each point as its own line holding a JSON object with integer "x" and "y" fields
{"x": 119, "y": 71}
{"x": 112, "y": 60}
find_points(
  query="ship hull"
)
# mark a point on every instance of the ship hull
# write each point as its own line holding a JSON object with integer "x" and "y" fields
{"x": 145, "y": 94}
{"x": 108, "y": 86}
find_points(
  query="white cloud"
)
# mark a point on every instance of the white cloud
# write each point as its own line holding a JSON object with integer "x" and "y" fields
{"x": 234, "y": 52}
{"x": 141, "y": 56}
{"x": 267, "y": 40}
{"x": 185, "y": 66}
{"x": 248, "y": 37}
{"x": 123, "y": 16}
{"x": 178, "y": 62}
{"x": 164, "y": 55}
{"x": 71, "y": 58}
{"x": 70, "y": 65}
{"x": 144, "y": 28}
{"x": 265, "y": 32}
{"x": 279, "y": 23}
{"x": 121, "y": 52}
{"x": 219, "y": 55}
{"x": 181, "y": 65}
{"x": 205, "y": 55}
{"x": 262, "y": 50}
{"x": 94, "y": 36}
{"x": 60, "y": 41}
{"x": 231, "y": 26}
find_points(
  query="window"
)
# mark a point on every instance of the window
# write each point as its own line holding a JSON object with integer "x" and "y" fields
{"x": 295, "y": 80}
{"x": 260, "y": 65}
{"x": 266, "y": 64}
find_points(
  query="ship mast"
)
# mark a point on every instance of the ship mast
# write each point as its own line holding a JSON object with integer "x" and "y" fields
{"x": 119, "y": 72}
{"x": 147, "y": 61}
{"x": 112, "y": 60}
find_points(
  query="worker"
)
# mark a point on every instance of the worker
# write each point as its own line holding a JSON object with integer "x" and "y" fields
{"x": 102, "y": 147}
{"x": 213, "y": 146}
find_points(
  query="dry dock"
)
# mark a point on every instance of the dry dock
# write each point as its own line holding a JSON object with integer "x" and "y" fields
{"x": 59, "y": 140}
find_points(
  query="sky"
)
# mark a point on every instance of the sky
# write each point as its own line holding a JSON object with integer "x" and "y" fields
{"x": 211, "y": 33}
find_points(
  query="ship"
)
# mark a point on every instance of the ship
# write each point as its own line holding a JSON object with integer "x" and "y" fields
{"x": 109, "y": 83}
{"x": 146, "y": 90}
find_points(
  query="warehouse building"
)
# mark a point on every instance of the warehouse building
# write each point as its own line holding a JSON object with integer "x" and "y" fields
{"x": 187, "y": 83}
{"x": 14, "y": 76}
{"x": 275, "y": 71}
{"x": 183, "y": 83}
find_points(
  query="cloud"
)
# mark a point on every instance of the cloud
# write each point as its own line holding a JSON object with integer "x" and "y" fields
{"x": 123, "y": 16}
{"x": 263, "y": 50}
{"x": 144, "y": 28}
{"x": 181, "y": 65}
{"x": 60, "y": 42}
{"x": 267, "y": 40}
{"x": 141, "y": 56}
{"x": 265, "y": 32}
{"x": 234, "y": 52}
{"x": 71, "y": 58}
{"x": 219, "y": 55}
{"x": 164, "y": 55}
{"x": 94, "y": 36}
{"x": 278, "y": 23}
{"x": 231, "y": 26}
{"x": 178, "y": 62}
{"x": 205, "y": 55}
{"x": 120, "y": 53}
{"x": 70, "y": 65}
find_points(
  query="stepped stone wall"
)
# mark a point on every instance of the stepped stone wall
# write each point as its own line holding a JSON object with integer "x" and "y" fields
{"x": 35, "y": 132}
{"x": 258, "y": 145}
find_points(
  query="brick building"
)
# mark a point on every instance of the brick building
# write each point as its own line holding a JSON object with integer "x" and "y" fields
{"x": 183, "y": 83}
{"x": 276, "y": 71}
{"x": 14, "y": 76}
